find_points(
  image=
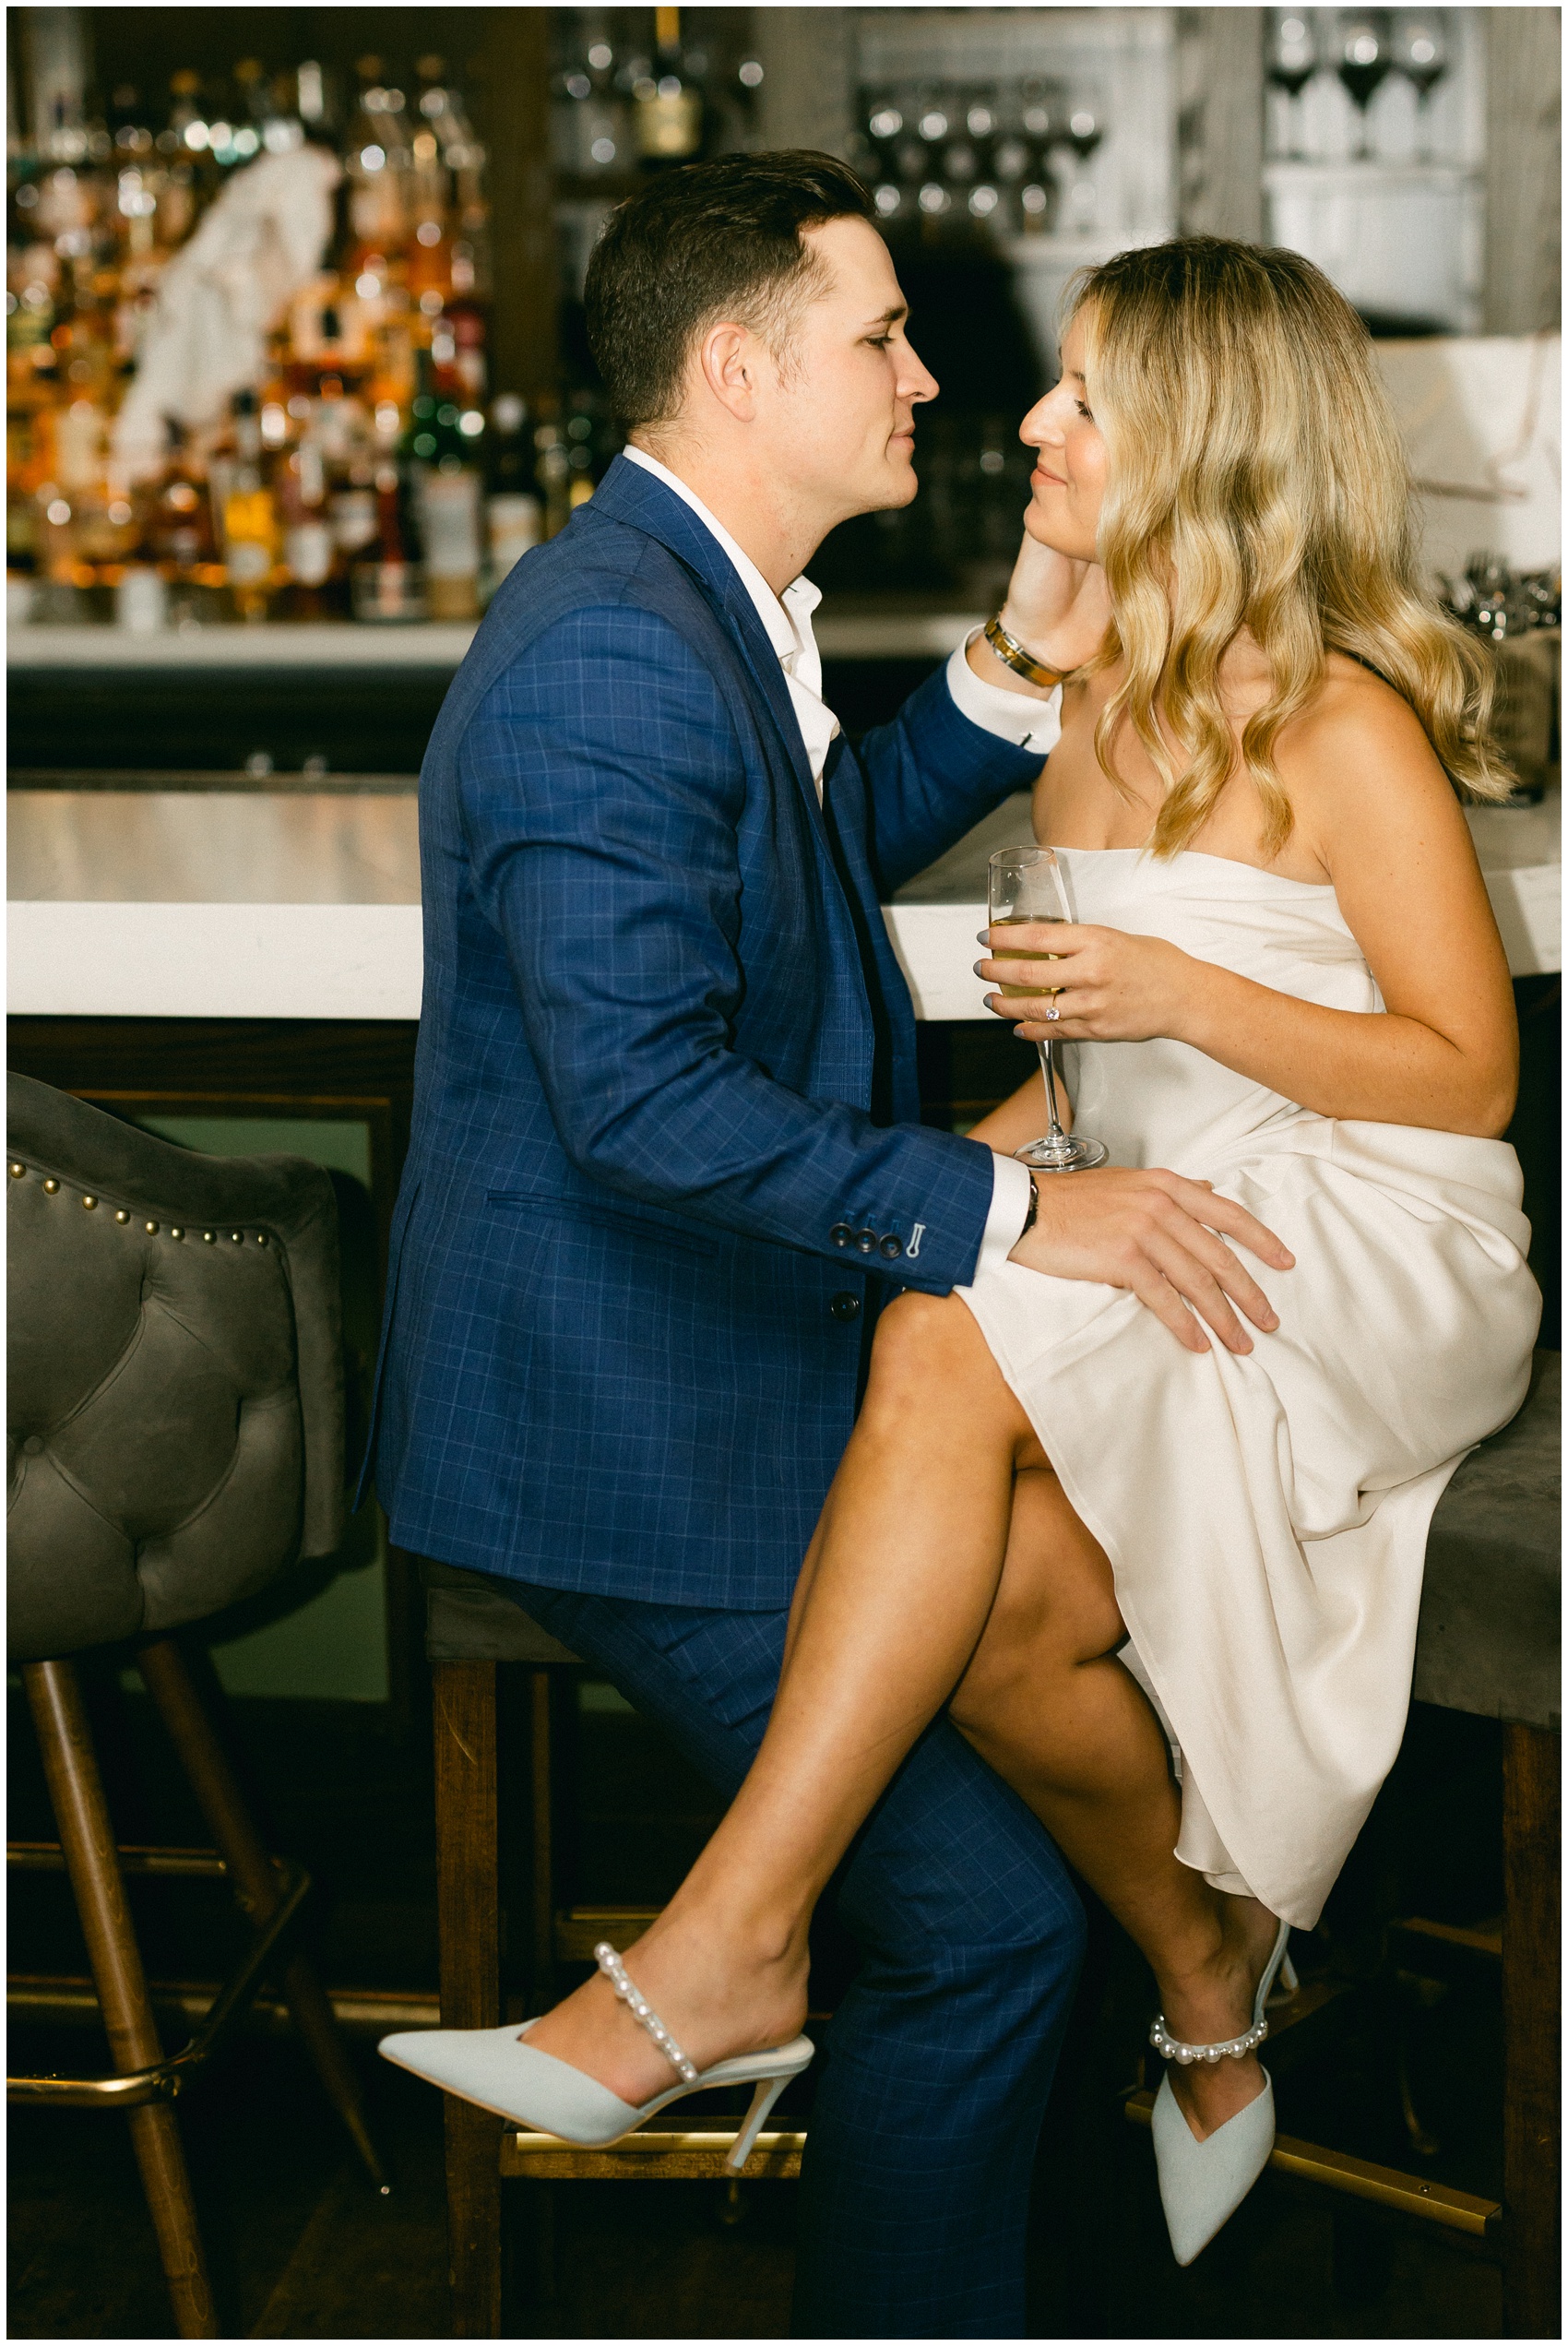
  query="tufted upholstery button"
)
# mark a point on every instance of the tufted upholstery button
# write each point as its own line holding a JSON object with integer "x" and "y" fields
{"x": 892, "y": 1247}
{"x": 865, "y": 1242}
{"x": 845, "y": 1308}
{"x": 33, "y": 1445}
{"x": 841, "y": 1234}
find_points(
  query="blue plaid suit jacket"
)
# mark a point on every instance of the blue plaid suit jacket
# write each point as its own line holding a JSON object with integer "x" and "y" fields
{"x": 647, "y": 1201}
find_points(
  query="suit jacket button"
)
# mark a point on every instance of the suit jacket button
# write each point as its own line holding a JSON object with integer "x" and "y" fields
{"x": 865, "y": 1241}
{"x": 892, "y": 1247}
{"x": 841, "y": 1234}
{"x": 845, "y": 1308}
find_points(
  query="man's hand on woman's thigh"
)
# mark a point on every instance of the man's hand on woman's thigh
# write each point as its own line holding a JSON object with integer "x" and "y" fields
{"x": 1155, "y": 1233}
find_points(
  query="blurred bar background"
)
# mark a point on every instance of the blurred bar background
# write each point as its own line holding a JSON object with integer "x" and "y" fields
{"x": 296, "y": 372}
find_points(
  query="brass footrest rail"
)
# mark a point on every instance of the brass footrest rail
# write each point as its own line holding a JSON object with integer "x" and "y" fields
{"x": 649, "y": 2156}
{"x": 165, "y": 2080}
{"x": 1360, "y": 2179}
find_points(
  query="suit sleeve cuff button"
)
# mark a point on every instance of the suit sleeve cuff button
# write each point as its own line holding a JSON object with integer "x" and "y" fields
{"x": 841, "y": 1234}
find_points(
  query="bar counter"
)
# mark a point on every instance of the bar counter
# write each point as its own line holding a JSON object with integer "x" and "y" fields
{"x": 304, "y": 903}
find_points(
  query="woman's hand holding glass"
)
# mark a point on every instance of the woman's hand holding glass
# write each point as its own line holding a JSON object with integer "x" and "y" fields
{"x": 1107, "y": 986}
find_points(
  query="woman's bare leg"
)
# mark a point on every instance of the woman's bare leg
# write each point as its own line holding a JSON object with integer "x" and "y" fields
{"x": 900, "y": 1577}
{"x": 1048, "y": 1704}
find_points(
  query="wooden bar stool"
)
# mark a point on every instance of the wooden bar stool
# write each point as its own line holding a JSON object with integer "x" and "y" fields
{"x": 175, "y": 1408}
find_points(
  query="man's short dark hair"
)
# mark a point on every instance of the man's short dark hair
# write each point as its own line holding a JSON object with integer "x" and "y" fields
{"x": 704, "y": 244}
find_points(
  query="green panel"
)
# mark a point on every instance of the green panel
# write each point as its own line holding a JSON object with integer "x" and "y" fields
{"x": 598, "y": 1695}
{"x": 342, "y": 1145}
{"x": 322, "y": 1630}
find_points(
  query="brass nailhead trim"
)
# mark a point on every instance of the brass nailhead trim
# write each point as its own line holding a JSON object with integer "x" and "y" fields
{"x": 16, "y": 1170}
{"x": 238, "y": 1236}
{"x": 175, "y": 1231}
{"x": 122, "y": 1215}
{"x": 50, "y": 1186}
{"x": 90, "y": 1202}
{"x": 208, "y": 1235}
{"x": 261, "y": 1238}
{"x": 150, "y": 1228}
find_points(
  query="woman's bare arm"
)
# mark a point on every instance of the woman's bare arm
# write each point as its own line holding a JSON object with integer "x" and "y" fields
{"x": 1020, "y": 1118}
{"x": 1392, "y": 837}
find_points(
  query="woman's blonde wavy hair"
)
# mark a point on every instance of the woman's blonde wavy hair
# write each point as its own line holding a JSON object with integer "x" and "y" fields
{"x": 1256, "y": 479}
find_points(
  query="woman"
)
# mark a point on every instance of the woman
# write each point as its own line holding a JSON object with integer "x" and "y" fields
{"x": 1085, "y": 1532}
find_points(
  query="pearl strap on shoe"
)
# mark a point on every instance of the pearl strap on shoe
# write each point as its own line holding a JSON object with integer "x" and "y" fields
{"x": 1171, "y": 2048}
{"x": 642, "y": 2011}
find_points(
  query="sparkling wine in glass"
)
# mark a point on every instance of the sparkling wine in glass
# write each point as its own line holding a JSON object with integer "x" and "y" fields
{"x": 1025, "y": 885}
{"x": 1366, "y": 56}
{"x": 1292, "y": 61}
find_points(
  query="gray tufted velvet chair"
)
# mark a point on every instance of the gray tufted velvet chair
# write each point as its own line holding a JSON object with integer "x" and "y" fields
{"x": 175, "y": 1422}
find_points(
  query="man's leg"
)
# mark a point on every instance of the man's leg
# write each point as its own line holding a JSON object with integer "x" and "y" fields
{"x": 915, "y": 2186}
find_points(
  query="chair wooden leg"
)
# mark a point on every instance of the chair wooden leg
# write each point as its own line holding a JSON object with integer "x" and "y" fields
{"x": 206, "y": 1764}
{"x": 541, "y": 1968}
{"x": 1531, "y": 2034}
{"x": 467, "y": 1860}
{"x": 87, "y": 1838}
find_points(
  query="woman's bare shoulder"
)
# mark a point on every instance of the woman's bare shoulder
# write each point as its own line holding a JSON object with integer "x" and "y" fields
{"x": 1357, "y": 743}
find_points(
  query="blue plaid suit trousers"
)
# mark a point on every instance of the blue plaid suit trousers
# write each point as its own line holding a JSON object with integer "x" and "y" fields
{"x": 933, "y": 2078}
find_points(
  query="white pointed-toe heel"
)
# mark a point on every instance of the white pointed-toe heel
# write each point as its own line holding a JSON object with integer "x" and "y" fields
{"x": 1202, "y": 2183}
{"x": 498, "y": 2070}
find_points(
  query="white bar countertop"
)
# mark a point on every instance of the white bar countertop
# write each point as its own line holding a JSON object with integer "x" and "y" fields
{"x": 842, "y": 633}
{"x": 256, "y": 904}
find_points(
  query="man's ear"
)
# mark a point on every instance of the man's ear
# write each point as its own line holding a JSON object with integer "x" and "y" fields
{"x": 728, "y": 362}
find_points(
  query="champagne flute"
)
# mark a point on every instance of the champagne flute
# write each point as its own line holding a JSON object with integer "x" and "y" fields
{"x": 1025, "y": 885}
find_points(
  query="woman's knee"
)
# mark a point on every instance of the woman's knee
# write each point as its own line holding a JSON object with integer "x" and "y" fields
{"x": 928, "y": 1354}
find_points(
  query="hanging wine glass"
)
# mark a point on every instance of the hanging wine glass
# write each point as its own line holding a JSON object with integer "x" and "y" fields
{"x": 1083, "y": 131}
{"x": 1366, "y": 56}
{"x": 1421, "y": 54}
{"x": 1293, "y": 56}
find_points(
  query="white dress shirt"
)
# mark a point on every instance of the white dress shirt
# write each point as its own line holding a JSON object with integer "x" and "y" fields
{"x": 1015, "y": 716}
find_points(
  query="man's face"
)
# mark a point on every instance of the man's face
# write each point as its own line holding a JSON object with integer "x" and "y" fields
{"x": 838, "y": 412}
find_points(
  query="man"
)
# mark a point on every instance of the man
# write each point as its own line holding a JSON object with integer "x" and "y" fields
{"x": 667, "y": 1159}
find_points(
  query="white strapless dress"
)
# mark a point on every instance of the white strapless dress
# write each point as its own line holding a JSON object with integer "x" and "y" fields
{"x": 1266, "y": 1516}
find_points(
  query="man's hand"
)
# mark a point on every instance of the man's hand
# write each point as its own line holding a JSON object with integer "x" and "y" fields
{"x": 1154, "y": 1234}
{"x": 1059, "y": 609}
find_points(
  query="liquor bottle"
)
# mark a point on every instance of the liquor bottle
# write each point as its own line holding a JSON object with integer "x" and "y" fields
{"x": 250, "y": 520}
{"x": 669, "y": 107}
{"x": 308, "y": 549}
{"x": 514, "y": 509}
{"x": 177, "y": 528}
{"x": 590, "y": 120}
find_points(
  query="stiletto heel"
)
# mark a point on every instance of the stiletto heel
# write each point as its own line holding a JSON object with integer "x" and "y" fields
{"x": 1202, "y": 2183}
{"x": 495, "y": 2069}
{"x": 763, "y": 2099}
